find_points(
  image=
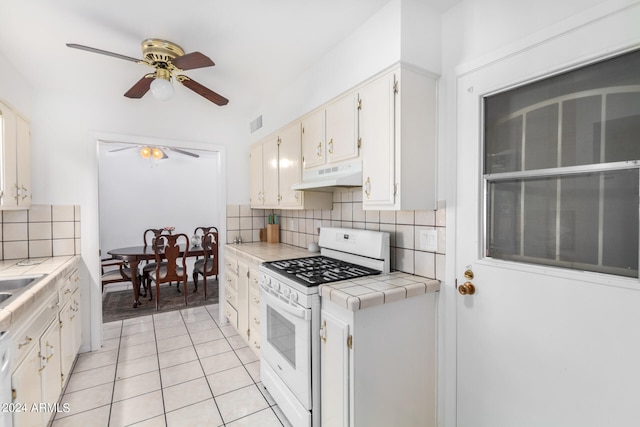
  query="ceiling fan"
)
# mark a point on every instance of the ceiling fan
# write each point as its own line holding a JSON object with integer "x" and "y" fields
{"x": 151, "y": 151}
{"x": 167, "y": 58}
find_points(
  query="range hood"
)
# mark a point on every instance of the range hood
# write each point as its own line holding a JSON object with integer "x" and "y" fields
{"x": 328, "y": 178}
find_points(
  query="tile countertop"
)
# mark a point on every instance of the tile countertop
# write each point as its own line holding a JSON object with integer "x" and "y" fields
{"x": 262, "y": 251}
{"x": 372, "y": 291}
{"x": 53, "y": 268}
{"x": 353, "y": 295}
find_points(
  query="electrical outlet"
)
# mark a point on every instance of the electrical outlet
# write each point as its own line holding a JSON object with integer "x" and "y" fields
{"x": 428, "y": 240}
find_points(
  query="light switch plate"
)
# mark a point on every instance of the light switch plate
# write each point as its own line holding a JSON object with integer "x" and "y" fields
{"x": 428, "y": 240}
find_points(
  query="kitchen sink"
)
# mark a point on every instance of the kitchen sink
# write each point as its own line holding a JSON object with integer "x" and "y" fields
{"x": 4, "y": 296}
{"x": 11, "y": 283}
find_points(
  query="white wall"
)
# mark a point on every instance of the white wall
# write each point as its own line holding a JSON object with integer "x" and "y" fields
{"x": 406, "y": 30}
{"x": 14, "y": 89}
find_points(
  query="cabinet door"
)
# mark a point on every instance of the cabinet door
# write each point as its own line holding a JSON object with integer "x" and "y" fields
{"x": 66, "y": 340}
{"x": 289, "y": 162}
{"x": 313, "y": 149}
{"x": 255, "y": 176}
{"x": 23, "y": 162}
{"x": 334, "y": 368}
{"x": 270, "y": 172}
{"x": 342, "y": 135}
{"x": 76, "y": 321}
{"x": 25, "y": 383}
{"x": 8, "y": 174}
{"x": 254, "y": 308}
{"x": 243, "y": 300}
{"x": 378, "y": 142}
{"x": 50, "y": 358}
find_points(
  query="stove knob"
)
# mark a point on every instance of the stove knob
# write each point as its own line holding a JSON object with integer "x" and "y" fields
{"x": 267, "y": 280}
{"x": 293, "y": 296}
{"x": 276, "y": 286}
{"x": 285, "y": 291}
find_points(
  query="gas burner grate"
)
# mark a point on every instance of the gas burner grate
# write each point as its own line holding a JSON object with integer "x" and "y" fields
{"x": 320, "y": 269}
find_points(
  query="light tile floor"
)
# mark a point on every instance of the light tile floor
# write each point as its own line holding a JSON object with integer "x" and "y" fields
{"x": 170, "y": 369}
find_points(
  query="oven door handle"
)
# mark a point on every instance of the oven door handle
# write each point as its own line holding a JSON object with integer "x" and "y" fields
{"x": 300, "y": 312}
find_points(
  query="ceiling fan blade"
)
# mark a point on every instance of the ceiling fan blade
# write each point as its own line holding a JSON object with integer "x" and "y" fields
{"x": 187, "y": 153}
{"x": 202, "y": 90}
{"x": 122, "y": 149}
{"x": 192, "y": 60}
{"x": 103, "y": 52}
{"x": 141, "y": 87}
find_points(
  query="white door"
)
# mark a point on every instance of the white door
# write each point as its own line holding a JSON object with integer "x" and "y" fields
{"x": 536, "y": 345}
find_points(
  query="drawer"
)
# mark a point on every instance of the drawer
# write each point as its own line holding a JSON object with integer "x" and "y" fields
{"x": 231, "y": 314}
{"x": 231, "y": 281}
{"x": 29, "y": 333}
{"x": 254, "y": 298}
{"x": 231, "y": 297}
{"x": 254, "y": 275}
{"x": 254, "y": 342}
{"x": 68, "y": 286}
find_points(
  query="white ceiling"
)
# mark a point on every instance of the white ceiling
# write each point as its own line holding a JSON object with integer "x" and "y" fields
{"x": 257, "y": 45}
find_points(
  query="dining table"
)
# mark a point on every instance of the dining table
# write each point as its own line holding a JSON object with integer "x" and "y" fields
{"x": 133, "y": 255}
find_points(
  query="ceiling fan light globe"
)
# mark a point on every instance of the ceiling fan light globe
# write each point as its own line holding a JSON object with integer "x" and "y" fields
{"x": 145, "y": 152}
{"x": 161, "y": 89}
{"x": 157, "y": 154}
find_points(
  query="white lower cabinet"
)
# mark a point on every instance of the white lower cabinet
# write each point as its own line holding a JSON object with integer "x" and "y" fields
{"x": 51, "y": 372}
{"x": 25, "y": 383}
{"x": 43, "y": 348}
{"x": 378, "y": 365}
{"x": 242, "y": 297}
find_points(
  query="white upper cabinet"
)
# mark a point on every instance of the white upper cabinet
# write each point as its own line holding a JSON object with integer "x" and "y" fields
{"x": 330, "y": 134}
{"x": 397, "y": 128}
{"x": 15, "y": 160}
{"x": 276, "y": 166}
{"x": 313, "y": 145}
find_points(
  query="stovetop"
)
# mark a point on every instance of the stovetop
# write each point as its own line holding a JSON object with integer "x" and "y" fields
{"x": 318, "y": 270}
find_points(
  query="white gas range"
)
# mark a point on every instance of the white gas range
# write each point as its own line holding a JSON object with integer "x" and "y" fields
{"x": 290, "y": 314}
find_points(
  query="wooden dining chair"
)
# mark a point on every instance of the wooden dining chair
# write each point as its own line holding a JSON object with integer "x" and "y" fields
{"x": 114, "y": 271}
{"x": 208, "y": 265}
{"x": 167, "y": 247}
{"x": 149, "y": 237}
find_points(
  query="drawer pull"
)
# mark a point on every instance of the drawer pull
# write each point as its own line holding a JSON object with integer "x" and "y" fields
{"x": 27, "y": 341}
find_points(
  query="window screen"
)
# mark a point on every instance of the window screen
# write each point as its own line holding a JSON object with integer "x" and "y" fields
{"x": 561, "y": 159}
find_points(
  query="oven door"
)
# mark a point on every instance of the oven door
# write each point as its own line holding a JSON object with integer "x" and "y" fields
{"x": 285, "y": 337}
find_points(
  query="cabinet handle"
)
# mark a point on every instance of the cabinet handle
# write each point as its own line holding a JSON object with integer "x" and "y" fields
{"x": 50, "y": 353}
{"x": 330, "y": 146}
{"x": 255, "y": 344}
{"x": 367, "y": 187}
{"x": 26, "y": 342}
{"x": 25, "y": 193}
{"x": 67, "y": 291}
{"x": 256, "y": 300}
{"x": 323, "y": 330}
{"x": 256, "y": 321}
{"x": 319, "y": 149}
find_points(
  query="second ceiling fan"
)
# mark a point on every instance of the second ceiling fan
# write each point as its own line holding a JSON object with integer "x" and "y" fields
{"x": 168, "y": 59}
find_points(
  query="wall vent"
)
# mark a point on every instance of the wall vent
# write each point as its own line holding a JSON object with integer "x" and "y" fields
{"x": 256, "y": 124}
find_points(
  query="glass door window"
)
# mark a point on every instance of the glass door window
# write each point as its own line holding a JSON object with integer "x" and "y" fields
{"x": 561, "y": 162}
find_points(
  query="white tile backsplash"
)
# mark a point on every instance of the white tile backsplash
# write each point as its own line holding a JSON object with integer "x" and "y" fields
{"x": 40, "y": 231}
{"x": 299, "y": 228}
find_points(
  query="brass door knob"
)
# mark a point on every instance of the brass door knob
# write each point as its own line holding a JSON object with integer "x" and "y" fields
{"x": 467, "y": 289}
